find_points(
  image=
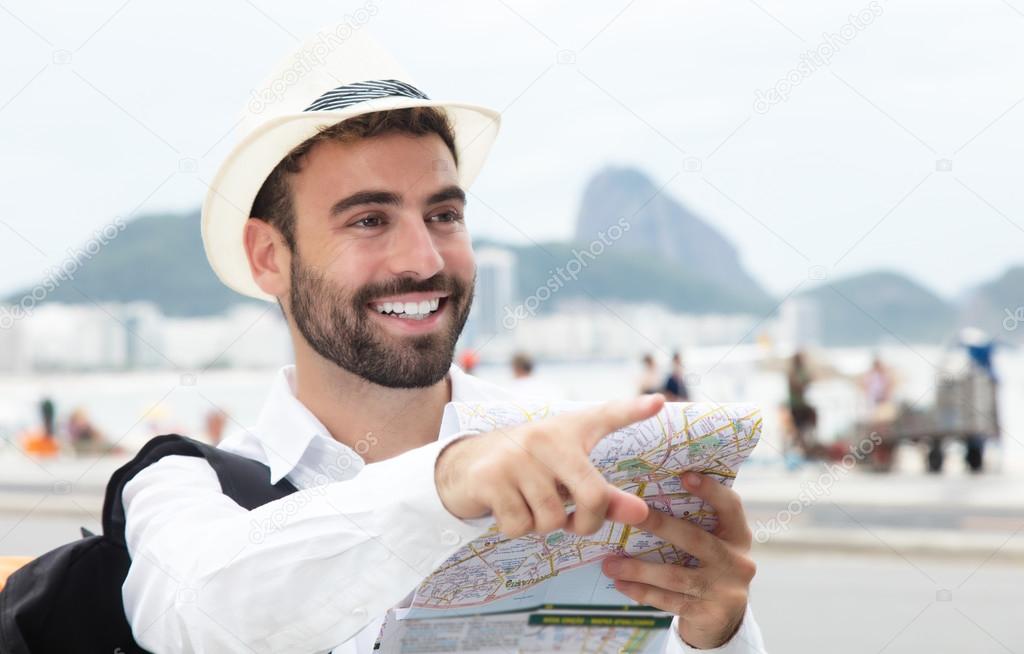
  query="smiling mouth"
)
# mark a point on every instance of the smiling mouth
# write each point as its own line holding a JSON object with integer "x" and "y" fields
{"x": 409, "y": 310}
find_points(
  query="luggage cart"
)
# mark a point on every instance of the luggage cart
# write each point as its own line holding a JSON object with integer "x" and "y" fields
{"x": 965, "y": 410}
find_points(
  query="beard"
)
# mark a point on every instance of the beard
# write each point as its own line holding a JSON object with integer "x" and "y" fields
{"x": 337, "y": 326}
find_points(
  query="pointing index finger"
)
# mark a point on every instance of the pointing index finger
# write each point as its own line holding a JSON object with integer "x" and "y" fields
{"x": 615, "y": 415}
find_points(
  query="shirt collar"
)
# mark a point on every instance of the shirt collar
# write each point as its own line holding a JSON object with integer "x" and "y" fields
{"x": 286, "y": 428}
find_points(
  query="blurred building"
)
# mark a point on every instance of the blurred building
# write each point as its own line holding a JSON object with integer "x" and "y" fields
{"x": 799, "y": 323}
{"x": 137, "y": 336}
{"x": 247, "y": 336}
{"x": 494, "y": 293}
{"x": 104, "y": 336}
{"x": 583, "y": 329}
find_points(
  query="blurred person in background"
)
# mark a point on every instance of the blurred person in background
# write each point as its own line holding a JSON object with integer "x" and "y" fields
{"x": 526, "y": 383}
{"x": 49, "y": 413}
{"x": 878, "y": 385}
{"x": 804, "y": 416}
{"x": 42, "y": 442}
{"x": 216, "y": 420}
{"x": 522, "y": 365}
{"x": 84, "y": 437}
{"x": 650, "y": 379}
{"x": 675, "y": 385}
{"x": 982, "y": 389}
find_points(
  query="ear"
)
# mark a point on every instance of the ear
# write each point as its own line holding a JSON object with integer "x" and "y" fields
{"x": 269, "y": 257}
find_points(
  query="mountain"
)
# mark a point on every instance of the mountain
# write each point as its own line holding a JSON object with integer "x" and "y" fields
{"x": 622, "y": 275}
{"x": 667, "y": 256}
{"x": 160, "y": 258}
{"x": 157, "y": 257}
{"x": 659, "y": 224}
{"x": 997, "y": 306}
{"x": 878, "y": 306}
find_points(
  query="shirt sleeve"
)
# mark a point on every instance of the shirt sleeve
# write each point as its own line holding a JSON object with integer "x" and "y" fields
{"x": 302, "y": 573}
{"x": 746, "y": 640}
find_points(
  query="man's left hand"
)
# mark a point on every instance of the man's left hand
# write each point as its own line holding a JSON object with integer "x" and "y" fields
{"x": 710, "y": 599}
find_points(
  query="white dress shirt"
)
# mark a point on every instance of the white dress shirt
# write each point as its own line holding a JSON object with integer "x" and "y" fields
{"x": 316, "y": 571}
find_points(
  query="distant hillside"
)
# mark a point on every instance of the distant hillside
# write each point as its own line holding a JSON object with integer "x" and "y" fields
{"x": 877, "y": 306}
{"x": 668, "y": 256}
{"x": 623, "y": 275}
{"x": 987, "y": 305}
{"x": 661, "y": 225}
{"x": 159, "y": 258}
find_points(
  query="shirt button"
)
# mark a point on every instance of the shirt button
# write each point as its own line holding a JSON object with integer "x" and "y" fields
{"x": 359, "y": 613}
{"x": 449, "y": 537}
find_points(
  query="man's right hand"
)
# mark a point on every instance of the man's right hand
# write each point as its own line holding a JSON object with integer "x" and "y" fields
{"x": 524, "y": 475}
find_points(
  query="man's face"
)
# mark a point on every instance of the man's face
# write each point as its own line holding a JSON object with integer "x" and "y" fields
{"x": 382, "y": 276}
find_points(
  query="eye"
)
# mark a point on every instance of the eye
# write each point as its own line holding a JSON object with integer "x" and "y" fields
{"x": 450, "y": 216}
{"x": 367, "y": 222}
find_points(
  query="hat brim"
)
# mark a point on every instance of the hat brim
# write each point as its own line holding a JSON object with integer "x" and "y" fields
{"x": 239, "y": 178}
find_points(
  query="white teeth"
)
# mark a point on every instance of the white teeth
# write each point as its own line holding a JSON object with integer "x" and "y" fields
{"x": 409, "y": 309}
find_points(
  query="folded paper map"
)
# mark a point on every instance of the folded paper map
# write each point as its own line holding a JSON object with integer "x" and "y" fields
{"x": 497, "y": 574}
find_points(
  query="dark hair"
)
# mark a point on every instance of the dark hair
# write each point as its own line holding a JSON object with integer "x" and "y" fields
{"x": 522, "y": 361}
{"x": 273, "y": 203}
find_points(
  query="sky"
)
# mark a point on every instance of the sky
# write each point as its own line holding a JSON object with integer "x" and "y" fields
{"x": 894, "y": 141}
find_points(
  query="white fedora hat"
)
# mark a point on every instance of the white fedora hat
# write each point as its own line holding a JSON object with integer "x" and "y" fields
{"x": 337, "y": 74}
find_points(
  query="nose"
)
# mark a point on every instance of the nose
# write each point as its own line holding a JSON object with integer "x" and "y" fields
{"x": 412, "y": 249}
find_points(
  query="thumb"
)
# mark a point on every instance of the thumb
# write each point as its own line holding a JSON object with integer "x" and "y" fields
{"x": 623, "y": 508}
{"x": 617, "y": 414}
{"x": 626, "y": 508}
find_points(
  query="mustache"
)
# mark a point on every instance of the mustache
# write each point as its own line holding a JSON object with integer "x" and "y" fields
{"x": 440, "y": 282}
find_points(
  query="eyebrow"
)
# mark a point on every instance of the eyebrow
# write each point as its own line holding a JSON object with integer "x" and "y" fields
{"x": 365, "y": 197}
{"x": 393, "y": 199}
{"x": 448, "y": 193}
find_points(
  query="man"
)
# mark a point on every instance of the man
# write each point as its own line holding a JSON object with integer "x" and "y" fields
{"x": 359, "y": 232}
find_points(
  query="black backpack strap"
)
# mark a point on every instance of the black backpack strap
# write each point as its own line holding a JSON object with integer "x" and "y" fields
{"x": 244, "y": 480}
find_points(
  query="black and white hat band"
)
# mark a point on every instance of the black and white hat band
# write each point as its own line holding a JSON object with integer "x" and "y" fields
{"x": 350, "y": 94}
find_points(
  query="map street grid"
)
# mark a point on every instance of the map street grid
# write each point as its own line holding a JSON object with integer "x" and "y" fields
{"x": 497, "y": 574}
